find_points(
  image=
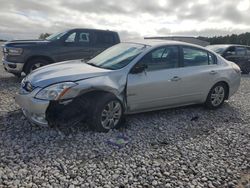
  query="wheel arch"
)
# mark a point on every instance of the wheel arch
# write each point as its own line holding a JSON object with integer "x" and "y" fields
{"x": 45, "y": 57}
{"x": 227, "y": 87}
{"x": 97, "y": 92}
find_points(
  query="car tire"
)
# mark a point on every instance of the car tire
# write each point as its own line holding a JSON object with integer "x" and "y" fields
{"x": 18, "y": 75}
{"x": 216, "y": 96}
{"x": 34, "y": 64}
{"x": 107, "y": 113}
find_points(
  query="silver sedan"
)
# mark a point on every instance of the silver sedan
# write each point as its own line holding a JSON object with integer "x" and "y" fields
{"x": 127, "y": 78}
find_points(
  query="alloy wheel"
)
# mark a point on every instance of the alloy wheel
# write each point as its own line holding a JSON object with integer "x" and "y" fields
{"x": 111, "y": 114}
{"x": 217, "y": 95}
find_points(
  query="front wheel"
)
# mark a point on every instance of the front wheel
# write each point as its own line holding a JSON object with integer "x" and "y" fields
{"x": 107, "y": 113}
{"x": 216, "y": 96}
{"x": 35, "y": 64}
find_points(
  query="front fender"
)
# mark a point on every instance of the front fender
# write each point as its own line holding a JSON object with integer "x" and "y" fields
{"x": 112, "y": 84}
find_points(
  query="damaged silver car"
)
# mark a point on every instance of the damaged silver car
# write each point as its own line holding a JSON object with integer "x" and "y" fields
{"x": 127, "y": 78}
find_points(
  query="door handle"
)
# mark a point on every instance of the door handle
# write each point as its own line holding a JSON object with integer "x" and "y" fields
{"x": 175, "y": 79}
{"x": 213, "y": 72}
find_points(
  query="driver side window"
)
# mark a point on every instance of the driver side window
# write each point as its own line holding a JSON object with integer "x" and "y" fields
{"x": 162, "y": 58}
{"x": 231, "y": 51}
{"x": 71, "y": 38}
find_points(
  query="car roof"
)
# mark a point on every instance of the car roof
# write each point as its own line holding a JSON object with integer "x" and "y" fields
{"x": 88, "y": 29}
{"x": 158, "y": 42}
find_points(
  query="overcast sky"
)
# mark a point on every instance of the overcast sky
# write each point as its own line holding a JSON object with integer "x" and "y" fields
{"x": 131, "y": 18}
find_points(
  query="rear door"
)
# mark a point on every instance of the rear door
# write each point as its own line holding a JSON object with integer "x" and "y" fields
{"x": 198, "y": 74}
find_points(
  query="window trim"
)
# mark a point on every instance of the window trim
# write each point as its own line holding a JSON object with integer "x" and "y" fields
{"x": 165, "y": 46}
{"x": 200, "y": 49}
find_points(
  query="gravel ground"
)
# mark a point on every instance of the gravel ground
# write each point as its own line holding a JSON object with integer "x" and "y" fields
{"x": 184, "y": 147}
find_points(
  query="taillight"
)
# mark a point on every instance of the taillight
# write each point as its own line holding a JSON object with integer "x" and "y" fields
{"x": 236, "y": 68}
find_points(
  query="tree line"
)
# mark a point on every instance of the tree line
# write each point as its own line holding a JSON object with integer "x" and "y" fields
{"x": 243, "y": 39}
{"x": 43, "y": 36}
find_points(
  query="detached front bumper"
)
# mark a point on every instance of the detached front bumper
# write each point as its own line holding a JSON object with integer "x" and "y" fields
{"x": 12, "y": 67}
{"x": 33, "y": 109}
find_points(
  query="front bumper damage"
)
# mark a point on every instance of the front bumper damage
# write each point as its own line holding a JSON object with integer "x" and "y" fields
{"x": 53, "y": 113}
{"x": 68, "y": 112}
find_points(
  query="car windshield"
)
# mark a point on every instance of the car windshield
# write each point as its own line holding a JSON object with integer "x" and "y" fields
{"x": 117, "y": 56}
{"x": 218, "y": 49}
{"x": 56, "y": 36}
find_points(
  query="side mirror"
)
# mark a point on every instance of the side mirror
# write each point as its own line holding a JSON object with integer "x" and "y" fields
{"x": 139, "y": 68}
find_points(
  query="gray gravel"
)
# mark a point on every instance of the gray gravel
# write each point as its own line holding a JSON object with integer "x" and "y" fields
{"x": 164, "y": 149}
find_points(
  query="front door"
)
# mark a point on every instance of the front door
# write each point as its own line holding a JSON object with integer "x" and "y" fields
{"x": 68, "y": 49}
{"x": 158, "y": 85}
{"x": 77, "y": 45}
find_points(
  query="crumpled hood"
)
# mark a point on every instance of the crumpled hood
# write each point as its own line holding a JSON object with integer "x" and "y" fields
{"x": 62, "y": 72}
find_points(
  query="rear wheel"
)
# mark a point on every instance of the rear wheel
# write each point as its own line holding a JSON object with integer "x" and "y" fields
{"x": 35, "y": 64}
{"x": 107, "y": 113}
{"x": 216, "y": 96}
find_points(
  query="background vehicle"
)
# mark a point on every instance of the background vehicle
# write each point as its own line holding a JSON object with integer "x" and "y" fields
{"x": 127, "y": 78}
{"x": 236, "y": 53}
{"x": 27, "y": 55}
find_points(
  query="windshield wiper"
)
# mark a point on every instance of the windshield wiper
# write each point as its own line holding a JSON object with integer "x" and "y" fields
{"x": 92, "y": 64}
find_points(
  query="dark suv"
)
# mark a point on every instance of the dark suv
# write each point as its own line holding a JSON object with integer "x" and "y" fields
{"x": 238, "y": 54}
{"x": 26, "y": 55}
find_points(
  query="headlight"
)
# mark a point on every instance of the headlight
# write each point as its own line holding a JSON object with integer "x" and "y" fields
{"x": 14, "y": 51}
{"x": 55, "y": 92}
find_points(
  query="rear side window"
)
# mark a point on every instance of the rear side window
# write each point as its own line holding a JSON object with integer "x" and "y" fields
{"x": 240, "y": 51}
{"x": 195, "y": 57}
{"x": 105, "y": 38}
{"x": 84, "y": 37}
